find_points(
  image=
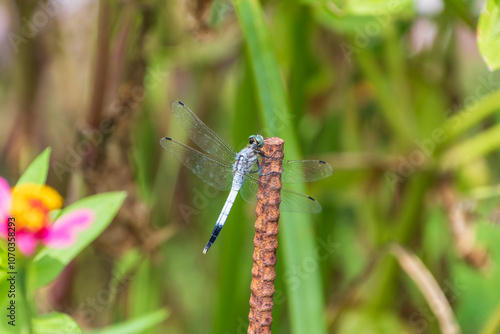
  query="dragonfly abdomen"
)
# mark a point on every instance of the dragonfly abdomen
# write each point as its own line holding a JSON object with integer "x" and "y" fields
{"x": 222, "y": 217}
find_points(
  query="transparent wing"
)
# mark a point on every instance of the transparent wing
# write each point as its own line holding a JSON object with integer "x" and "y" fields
{"x": 201, "y": 134}
{"x": 249, "y": 189}
{"x": 298, "y": 171}
{"x": 217, "y": 173}
{"x": 291, "y": 201}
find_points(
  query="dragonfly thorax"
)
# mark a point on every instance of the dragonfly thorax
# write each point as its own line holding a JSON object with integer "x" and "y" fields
{"x": 246, "y": 159}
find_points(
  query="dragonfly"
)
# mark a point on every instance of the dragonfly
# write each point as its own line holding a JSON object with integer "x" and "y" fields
{"x": 225, "y": 169}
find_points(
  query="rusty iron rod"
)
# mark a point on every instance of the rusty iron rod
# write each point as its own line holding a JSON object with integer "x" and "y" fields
{"x": 266, "y": 237}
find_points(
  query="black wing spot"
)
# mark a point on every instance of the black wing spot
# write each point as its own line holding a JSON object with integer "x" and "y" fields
{"x": 167, "y": 138}
{"x": 180, "y": 103}
{"x": 323, "y": 162}
{"x": 311, "y": 198}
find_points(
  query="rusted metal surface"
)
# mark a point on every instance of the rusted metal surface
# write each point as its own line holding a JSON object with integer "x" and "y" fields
{"x": 266, "y": 237}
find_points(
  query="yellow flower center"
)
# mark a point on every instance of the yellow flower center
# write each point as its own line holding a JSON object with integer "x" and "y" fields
{"x": 31, "y": 204}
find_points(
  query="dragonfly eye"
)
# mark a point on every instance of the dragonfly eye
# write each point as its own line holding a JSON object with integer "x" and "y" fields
{"x": 256, "y": 139}
{"x": 260, "y": 140}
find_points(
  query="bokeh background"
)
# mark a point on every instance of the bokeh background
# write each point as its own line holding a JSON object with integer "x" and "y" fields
{"x": 395, "y": 95}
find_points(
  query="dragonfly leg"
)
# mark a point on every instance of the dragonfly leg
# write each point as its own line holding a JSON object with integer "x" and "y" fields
{"x": 267, "y": 156}
{"x": 258, "y": 168}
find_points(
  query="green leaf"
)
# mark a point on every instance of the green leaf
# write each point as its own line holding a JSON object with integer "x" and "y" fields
{"x": 55, "y": 323}
{"x": 37, "y": 171}
{"x": 136, "y": 325}
{"x": 296, "y": 234}
{"x": 3, "y": 260}
{"x": 50, "y": 261}
{"x": 5, "y": 301}
{"x": 378, "y": 7}
{"x": 488, "y": 34}
{"x": 373, "y": 8}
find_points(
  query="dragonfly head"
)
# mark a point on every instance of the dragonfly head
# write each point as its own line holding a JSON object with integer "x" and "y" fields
{"x": 256, "y": 140}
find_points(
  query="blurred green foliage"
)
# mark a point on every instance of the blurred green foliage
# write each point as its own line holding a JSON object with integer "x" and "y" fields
{"x": 395, "y": 95}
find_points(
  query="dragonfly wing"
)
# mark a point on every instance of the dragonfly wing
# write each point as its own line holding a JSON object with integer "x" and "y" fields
{"x": 202, "y": 135}
{"x": 217, "y": 173}
{"x": 249, "y": 189}
{"x": 298, "y": 171}
{"x": 291, "y": 201}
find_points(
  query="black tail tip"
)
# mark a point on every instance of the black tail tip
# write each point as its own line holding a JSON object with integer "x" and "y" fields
{"x": 207, "y": 247}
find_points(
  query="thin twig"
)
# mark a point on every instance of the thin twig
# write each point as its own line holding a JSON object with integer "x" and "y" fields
{"x": 266, "y": 237}
{"x": 426, "y": 283}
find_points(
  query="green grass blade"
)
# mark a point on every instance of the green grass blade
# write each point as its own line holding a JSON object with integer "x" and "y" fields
{"x": 492, "y": 326}
{"x": 472, "y": 114}
{"x": 473, "y": 148}
{"x": 305, "y": 295}
{"x": 55, "y": 323}
{"x": 136, "y": 325}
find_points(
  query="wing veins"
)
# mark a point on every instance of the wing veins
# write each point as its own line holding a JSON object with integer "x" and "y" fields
{"x": 291, "y": 200}
{"x": 210, "y": 169}
{"x": 203, "y": 136}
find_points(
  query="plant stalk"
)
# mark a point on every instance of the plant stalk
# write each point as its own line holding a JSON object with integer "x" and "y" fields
{"x": 266, "y": 237}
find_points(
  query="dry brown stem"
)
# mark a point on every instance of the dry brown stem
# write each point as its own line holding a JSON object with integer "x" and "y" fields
{"x": 462, "y": 229}
{"x": 266, "y": 237}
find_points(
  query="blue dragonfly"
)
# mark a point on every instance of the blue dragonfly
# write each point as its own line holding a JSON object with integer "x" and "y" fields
{"x": 225, "y": 169}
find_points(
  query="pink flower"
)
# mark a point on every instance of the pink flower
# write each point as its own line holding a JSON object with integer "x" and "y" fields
{"x": 30, "y": 205}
